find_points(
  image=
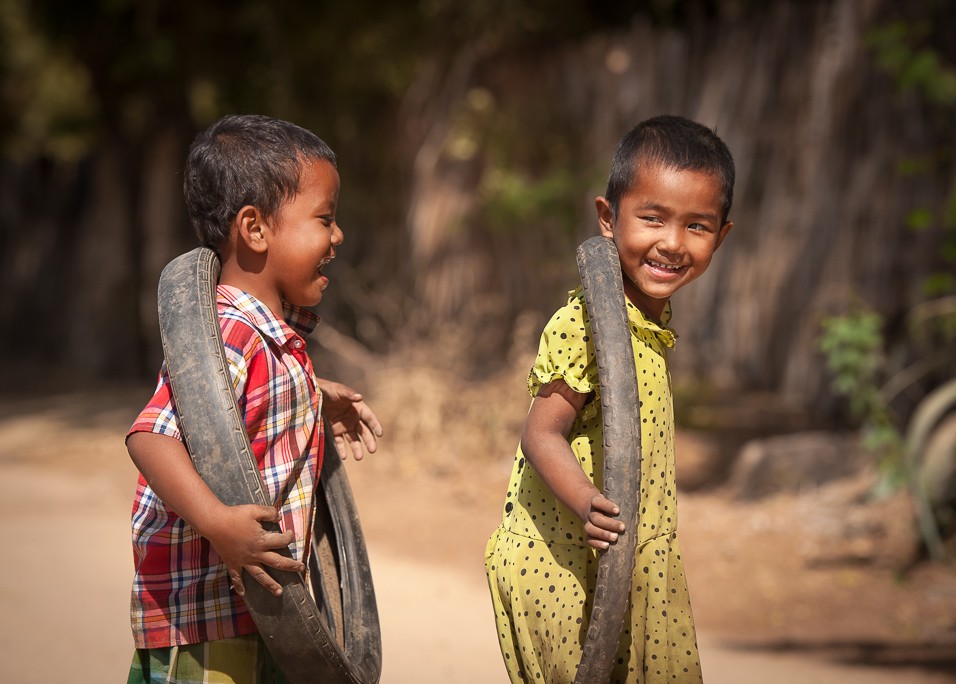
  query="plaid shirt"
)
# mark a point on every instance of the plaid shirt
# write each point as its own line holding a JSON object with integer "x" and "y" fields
{"x": 181, "y": 589}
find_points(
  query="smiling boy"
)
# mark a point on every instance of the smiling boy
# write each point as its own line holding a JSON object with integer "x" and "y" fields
{"x": 263, "y": 194}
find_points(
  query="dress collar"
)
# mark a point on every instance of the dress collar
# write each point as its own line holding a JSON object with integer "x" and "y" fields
{"x": 667, "y": 336}
{"x": 637, "y": 318}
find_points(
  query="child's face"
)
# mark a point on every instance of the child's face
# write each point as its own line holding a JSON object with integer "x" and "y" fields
{"x": 303, "y": 236}
{"x": 667, "y": 228}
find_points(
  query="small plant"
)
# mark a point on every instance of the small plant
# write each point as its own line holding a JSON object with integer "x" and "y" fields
{"x": 853, "y": 346}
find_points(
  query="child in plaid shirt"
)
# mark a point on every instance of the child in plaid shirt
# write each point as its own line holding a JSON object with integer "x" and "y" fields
{"x": 262, "y": 193}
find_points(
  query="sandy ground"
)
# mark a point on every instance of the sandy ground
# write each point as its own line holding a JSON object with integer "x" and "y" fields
{"x": 65, "y": 493}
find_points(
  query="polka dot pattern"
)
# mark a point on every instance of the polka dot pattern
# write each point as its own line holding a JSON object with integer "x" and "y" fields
{"x": 541, "y": 572}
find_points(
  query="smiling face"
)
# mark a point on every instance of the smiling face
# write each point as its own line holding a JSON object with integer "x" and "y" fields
{"x": 302, "y": 237}
{"x": 667, "y": 228}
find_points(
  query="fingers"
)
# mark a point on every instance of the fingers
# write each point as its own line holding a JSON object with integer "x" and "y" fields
{"x": 602, "y": 528}
{"x": 369, "y": 420}
{"x": 341, "y": 447}
{"x": 267, "y": 541}
{"x": 267, "y": 559}
{"x": 368, "y": 433}
{"x": 358, "y": 440}
{"x": 280, "y": 562}
{"x": 604, "y": 505}
{"x": 278, "y": 540}
{"x": 259, "y": 574}
{"x": 336, "y": 391}
{"x": 347, "y": 442}
{"x": 363, "y": 439}
{"x": 265, "y": 513}
{"x": 357, "y": 451}
{"x": 235, "y": 577}
{"x": 600, "y": 537}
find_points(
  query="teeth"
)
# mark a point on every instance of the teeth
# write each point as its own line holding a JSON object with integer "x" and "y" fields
{"x": 669, "y": 267}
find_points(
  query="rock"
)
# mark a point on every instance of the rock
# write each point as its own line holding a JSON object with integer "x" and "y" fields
{"x": 700, "y": 461}
{"x": 791, "y": 463}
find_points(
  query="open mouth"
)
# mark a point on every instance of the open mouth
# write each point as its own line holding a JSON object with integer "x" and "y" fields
{"x": 325, "y": 262}
{"x": 660, "y": 266}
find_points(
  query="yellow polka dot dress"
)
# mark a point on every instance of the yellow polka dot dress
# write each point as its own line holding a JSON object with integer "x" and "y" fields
{"x": 540, "y": 570}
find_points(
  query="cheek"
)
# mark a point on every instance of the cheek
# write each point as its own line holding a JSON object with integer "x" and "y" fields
{"x": 702, "y": 259}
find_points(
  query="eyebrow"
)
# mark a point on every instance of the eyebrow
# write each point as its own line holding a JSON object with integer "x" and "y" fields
{"x": 704, "y": 215}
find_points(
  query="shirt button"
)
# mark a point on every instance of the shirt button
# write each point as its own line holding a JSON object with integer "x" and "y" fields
{"x": 297, "y": 344}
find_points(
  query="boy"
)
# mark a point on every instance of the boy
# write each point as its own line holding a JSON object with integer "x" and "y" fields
{"x": 262, "y": 193}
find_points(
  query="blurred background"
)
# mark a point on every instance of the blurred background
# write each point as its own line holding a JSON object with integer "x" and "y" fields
{"x": 814, "y": 372}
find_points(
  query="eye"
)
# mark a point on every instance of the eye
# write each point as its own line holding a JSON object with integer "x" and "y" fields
{"x": 699, "y": 228}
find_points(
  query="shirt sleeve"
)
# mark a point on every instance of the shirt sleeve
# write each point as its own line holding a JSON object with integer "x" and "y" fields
{"x": 566, "y": 351}
{"x": 244, "y": 351}
{"x": 159, "y": 415}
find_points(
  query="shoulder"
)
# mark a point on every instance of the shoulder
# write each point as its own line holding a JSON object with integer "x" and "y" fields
{"x": 246, "y": 351}
{"x": 238, "y": 321}
{"x": 569, "y": 325}
{"x": 574, "y": 313}
{"x": 566, "y": 351}
{"x": 239, "y": 333}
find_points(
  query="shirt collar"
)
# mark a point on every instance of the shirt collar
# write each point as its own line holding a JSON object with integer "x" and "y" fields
{"x": 298, "y": 322}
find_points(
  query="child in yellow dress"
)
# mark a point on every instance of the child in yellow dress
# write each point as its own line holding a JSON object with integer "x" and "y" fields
{"x": 668, "y": 197}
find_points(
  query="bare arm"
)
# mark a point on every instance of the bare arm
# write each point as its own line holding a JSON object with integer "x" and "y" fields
{"x": 235, "y": 531}
{"x": 544, "y": 443}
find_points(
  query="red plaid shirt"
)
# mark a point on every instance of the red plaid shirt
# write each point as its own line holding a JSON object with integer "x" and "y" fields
{"x": 181, "y": 590}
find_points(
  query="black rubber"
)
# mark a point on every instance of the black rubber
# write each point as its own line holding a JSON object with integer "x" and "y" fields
{"x": 620, "y": 407}
{"x": 341, "y": 641}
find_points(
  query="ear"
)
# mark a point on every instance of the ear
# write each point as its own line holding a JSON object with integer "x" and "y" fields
{"x": 605, "y": 216}
{"x": 251, "y": 230}
{"x": 722, "y": 233}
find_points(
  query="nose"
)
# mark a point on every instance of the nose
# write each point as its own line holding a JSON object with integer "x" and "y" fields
{"x": 670, "y": 241}
{"x": 338, "y": 237}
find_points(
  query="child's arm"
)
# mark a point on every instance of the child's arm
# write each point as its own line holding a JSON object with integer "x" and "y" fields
{"x": 234, "y": 531}
{"x": 353, "y": 422}
{"x": 544, "y": 443}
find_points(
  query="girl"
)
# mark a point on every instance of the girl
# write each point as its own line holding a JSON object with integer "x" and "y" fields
{"x": 669, "y": 193}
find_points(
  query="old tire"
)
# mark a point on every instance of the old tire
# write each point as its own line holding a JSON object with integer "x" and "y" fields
{"x": 296, "y": 631}
{"x": 604, "y": 294}
{"x": 931, "y": 454}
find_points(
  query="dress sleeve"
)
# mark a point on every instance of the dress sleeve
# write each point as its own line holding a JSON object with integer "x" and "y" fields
{"x": 566, "y": 351}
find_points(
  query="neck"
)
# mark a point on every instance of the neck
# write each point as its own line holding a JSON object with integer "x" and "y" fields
{"x": 649, "y": 306}
{"x": 251, "y": 283}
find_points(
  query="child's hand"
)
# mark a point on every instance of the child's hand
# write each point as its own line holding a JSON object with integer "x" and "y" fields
{"x": 240, "y": 540}
{"x": 353, "y": 423}
{"x": 600, "y": 527}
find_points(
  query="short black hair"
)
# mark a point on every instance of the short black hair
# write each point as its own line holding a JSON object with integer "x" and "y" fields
{"x": 673, "y": 142}
{"x": 241, "y": 160}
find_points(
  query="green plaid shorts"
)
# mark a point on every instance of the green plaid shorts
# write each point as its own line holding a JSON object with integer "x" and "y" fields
{"x": 240, "y": 660}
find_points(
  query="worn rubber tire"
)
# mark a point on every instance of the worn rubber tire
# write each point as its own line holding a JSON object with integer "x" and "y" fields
{"x": 931, "y": 458}
{"x": 295, "y": 629}
{"x": 620, "y": 407}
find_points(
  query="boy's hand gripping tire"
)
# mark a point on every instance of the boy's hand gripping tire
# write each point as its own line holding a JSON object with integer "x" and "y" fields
{"x": 600, "y": 271}
{"x": 341, "y": 641}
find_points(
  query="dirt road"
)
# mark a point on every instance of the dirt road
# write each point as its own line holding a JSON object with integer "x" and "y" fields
{"x": 65, "y": 493}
